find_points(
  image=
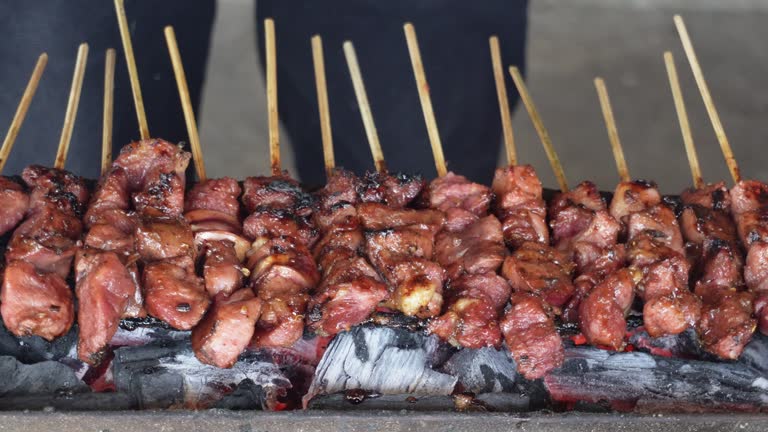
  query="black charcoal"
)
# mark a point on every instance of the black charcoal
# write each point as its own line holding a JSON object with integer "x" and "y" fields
{"x": 41, "y": 378}
{"x": 484, "y": 370}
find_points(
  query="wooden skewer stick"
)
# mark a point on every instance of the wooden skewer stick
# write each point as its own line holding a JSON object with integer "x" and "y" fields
{"x": 682, "y": 116}
{"x": 318, "y": 59}
{"x": 74, "y": 101}
{"x": 274, "y": 120}
{"x": 426, "y": 101}
{"x": 613, "y": 133}
{"x": 21, "y": 111}
{"x": 365, "y": 107}
{"x": 533, "y": 113}
{"x": 709, "y": 103}
{"x": 186, "y": 102}
{"x": 109, "y": 105}
{"x": 501, "y": 93}
{"x": 133, "y": 73}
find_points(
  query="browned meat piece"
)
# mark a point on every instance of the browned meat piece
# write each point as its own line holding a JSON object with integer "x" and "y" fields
{"x": 54, "y": 256}
{"x": 714, "y": 196}
{"x": 376, "y": 217}
{"x": 519, "y": 205}
{"x": 104, "y": 289}
{"x": 459, "y": 199}
{"x": 479, "y": 248}
{"x": 162, "y": 196}
{"x": 112, "y": 230}
{"x": 34, "y": 303}
{"x": 394, "y": 190}
{"x": 139, "y": 158}
{"x": 280, "y": 192}
{"x": 539, "y": 269}
{"x": 471, "y": 319}
{"x": 113, "y": 193}
{"x": 281, "y": 267}
{"x": 602, "y": 313}
{"x": 517, "y": 186}
{"x": 756, "y": 267}
{"x": 277, "y": 222}
{"x": 726, "y": 324}
{"x": 531, "y": 336}
{"x": 281, "y": 322}
{"x": 593, "y": 265}
{"x": 173, "y": 293}
{"x": 215, "y": 194}
{"x": 222, "y": 269}
{"x": 750, "y": 209}
{"x": 350, "y": 291}
{"x": 632, "y": 197}
{"x": 341, "y": 187}
{"x": 227, "y": 328}
{"x": 158, "y": 239}
{"x": 658, "y": 223}
{"x": 14, "y": 203}
{"x": 66, "y": 191}
{"x": 670, "y": 307}
{"x": 154, "y": 177}
{"x": 212, "y": 220}
{"x": 403, "y": 257}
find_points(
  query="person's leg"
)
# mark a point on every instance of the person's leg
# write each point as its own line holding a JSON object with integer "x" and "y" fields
{"x": 57, "y": 27}
{"x": 453, "y": 36}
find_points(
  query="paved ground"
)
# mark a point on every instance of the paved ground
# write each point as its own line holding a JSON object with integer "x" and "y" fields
{"x": 569, "y": 45}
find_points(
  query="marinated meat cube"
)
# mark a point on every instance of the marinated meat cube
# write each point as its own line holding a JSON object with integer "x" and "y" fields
{"x": 173, "y": 293}
{"x": 105, "y": 288}
{"x": 531, "y": 336}
{"x": 34, "y": 303}
{"x": 227, "y": 328}
{"x": 541, "y": 270}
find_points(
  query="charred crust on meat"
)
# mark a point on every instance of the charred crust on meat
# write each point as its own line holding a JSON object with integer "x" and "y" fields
{"x": 183, "y": 307}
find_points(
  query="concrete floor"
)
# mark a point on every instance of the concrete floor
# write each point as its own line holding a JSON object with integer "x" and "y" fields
{"x": 569, "y": 44}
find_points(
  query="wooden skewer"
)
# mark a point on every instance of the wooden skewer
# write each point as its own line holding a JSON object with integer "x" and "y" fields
{"x": 613, "y": 133}
{"x": 133, "y": 74}
{"x": 709, "y": 103}
{"x": 274, "y": 120}
{"x": 21, "y": 111}
{"x": 74, "y": 101}
{"x": 682, "y": 116}
{"x": 365, "y": 107}
{"x": 318, "y": 59}
{"x": 426, "y": 101}
{"x": 109, "y": 105}
{"x": 186, "y": 102}
{"x": 522, "y": 89}
{"x": 501, "y": 93}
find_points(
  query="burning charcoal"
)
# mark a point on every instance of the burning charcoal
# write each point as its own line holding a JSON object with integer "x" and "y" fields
{"x": 247, "y": 396}
{"x": 484, "y": 370}
{"x": 42, "y": 378}
{"x": 682, "y": 345}
{"x": 380, "y": 360}
{"x": 33, "y": 349}
{"x": 169, "y": 374}
{"x": 627, "y": 380}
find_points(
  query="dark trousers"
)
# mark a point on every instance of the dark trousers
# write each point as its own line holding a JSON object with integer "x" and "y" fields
{"x": 57, "y": 27}
{"x": 453, "y": 37}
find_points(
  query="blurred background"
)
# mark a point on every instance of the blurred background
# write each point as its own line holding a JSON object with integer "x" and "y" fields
{"x": 569, "y": 43}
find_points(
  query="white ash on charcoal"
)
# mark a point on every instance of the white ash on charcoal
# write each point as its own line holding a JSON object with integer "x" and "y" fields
{"x": 484, "y": 370}
{"x": 380, "y": 360}
{"x": 169, "y": 375}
